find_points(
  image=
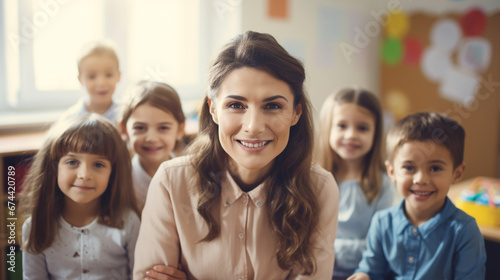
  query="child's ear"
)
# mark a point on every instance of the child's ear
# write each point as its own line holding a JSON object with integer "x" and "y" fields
{"x": 458, "y": 173}
{"x": 211, "y": 106}
{"x": 390, "y": 170}
{"x": 123, "y": 130}
{"x": 181, "y": 131}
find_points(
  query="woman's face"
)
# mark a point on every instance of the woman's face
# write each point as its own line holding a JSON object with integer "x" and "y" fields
{"x": 254, "y": 112}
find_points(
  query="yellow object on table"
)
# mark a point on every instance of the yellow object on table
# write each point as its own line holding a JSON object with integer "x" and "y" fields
{"x": 481, "y": 200}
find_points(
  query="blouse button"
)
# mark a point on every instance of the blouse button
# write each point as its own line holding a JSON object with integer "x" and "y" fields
{"x": 411, "y": 260}
{"x": 259, "y": 203}
{"x": 228, "y": 202}
{"x": 414, "y": 230}
{"x": 240, "y": 235}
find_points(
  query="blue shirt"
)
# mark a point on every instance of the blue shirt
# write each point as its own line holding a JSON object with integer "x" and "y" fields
{"x": 355, "y": 214}
{"x": 448, "y": 246}
{"x": 79, "y": 109}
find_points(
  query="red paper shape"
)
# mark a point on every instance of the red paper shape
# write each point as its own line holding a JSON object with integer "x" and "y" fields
{"x": 473, "y": 22}
{"x": 412, "y": 50}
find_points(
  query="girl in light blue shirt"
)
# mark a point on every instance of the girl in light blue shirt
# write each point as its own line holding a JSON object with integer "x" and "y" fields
{"x": 350, "y": 148}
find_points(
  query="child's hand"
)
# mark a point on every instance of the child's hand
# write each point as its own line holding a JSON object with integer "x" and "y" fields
{"x": 359, "y": 276}
{"x": 163, "y": 272}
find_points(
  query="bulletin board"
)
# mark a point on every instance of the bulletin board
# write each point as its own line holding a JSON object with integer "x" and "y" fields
{"x": 408, "y": 84}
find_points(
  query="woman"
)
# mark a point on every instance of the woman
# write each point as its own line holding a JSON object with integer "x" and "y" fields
{"x": 246, "y": 203}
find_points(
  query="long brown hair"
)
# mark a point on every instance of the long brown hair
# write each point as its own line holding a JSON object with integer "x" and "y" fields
{"x": 292, "y": 207}
{"x": 370, "y": 180}
{"x": 41, "y": 197}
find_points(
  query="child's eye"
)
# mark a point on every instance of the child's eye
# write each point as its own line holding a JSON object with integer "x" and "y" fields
{"x": 109, "y": 75}
{"x": 363, "y": 128}
{"x": 341, "y": 125}
{"x": 164, "y": 127}
{"x": 408, "y": 168}
{"x": 99, "y": 165}
{"x": 273, "y": 106}
{"x": 235, "y": 105}
{"x": 435, "y": 168}
{"x": 139, "y": 127}
{"x": 71, "y": 162}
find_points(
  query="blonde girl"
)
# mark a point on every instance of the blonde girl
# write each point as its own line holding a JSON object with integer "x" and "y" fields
{"x": 350, "y": 148}
{"x": 152, "y": 122}
{"x": 82, "y": 217}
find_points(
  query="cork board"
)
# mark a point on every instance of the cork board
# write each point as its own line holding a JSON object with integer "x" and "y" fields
{"x": 480, "y": 117}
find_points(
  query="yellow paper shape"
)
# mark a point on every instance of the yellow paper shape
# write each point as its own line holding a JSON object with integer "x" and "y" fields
{"x": 397, "y": 25}
{"x": 398, "y": 103}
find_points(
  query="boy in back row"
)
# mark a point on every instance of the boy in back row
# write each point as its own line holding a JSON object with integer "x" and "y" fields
{"x": 426, "y": 236}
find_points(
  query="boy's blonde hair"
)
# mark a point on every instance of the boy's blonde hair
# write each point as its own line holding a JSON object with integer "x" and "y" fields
{"x": 428, "y": 126}
{"x": 370, "y": 181}
{"x": 41, "y": 197}
{"x": 104, "y": 47}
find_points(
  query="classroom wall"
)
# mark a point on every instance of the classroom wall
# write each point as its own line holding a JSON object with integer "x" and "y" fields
{"x": 312, "y": 31}
{"x": 315, "y": 31}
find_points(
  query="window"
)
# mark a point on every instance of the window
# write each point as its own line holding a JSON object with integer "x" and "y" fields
{"x": 165, "y": 40}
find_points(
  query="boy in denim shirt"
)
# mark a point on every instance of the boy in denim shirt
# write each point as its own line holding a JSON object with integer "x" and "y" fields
{"x": 426, "y": 236}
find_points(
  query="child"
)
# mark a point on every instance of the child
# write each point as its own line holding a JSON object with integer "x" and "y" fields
{"x": 152, "y": 121}
{"x": 426, "y": 236}
{"x": 98, "y": 72}
{"x": 83, "y": 218}
{"x": 349, "y": 147}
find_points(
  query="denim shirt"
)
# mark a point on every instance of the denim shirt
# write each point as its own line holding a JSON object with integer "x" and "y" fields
{"x": 448, "y": 246}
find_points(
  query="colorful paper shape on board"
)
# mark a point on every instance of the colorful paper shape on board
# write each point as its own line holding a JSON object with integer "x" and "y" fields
{"x": 412, "y": 50}
{"x": 397, "y": 25}
{"x": 398, "y": 103}
{"x": 473, "y": 22}
{"x": 446, "y": 34}
{"x": 474, "y": 54}
{"x": 459, "y": 86}
{"x": 392, "y": 51}
{"x": 435, "y": 63}
{"x": 278, "y": 8}
{"x": 331, "y": 24}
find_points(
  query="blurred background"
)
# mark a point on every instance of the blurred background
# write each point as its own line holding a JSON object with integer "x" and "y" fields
{"x": 426, "y": 55}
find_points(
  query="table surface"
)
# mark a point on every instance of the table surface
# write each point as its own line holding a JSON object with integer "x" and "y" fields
{"x": 490, "y": 233}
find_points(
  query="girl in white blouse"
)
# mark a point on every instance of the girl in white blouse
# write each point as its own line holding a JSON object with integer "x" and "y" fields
{"x": 82, "y": 214}
{"x": 246, "y": 203}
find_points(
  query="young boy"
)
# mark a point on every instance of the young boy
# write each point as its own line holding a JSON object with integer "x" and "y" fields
{"x": 426, "y": 236}
{"x": 98, "y": 72}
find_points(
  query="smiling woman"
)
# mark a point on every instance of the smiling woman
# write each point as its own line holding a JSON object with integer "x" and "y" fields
{"x": 254, "y": 198}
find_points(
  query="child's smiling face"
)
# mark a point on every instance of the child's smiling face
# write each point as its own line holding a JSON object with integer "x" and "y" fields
{"x": 423, "y": 173}
{"x": 83, "y": 177}
{"x": 99, "y": 74}
{"x": 153, "y": 133}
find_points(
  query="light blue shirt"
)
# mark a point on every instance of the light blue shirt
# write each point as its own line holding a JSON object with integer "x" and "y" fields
{"x": 79, "y": 109}
{"x": 355, "y": 214}
{"x": 448, "y": 246}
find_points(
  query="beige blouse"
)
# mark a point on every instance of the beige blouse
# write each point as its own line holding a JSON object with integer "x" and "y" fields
{"x": 171, "y": 228}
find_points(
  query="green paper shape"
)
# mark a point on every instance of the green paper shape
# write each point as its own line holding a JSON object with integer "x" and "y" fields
{"x": 392, "y": 51}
